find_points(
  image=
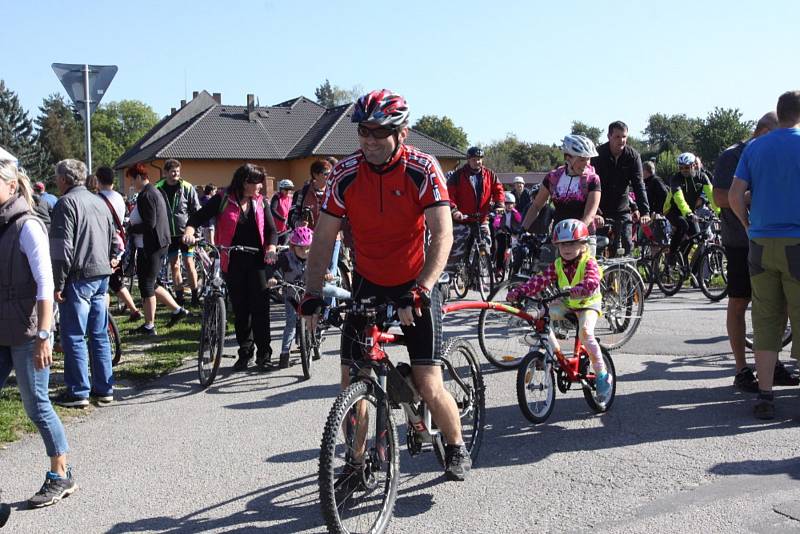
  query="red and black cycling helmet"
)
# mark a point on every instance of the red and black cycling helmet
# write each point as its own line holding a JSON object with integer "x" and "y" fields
{"x": 382, "y": 108}
{"x": 570, "y": 230}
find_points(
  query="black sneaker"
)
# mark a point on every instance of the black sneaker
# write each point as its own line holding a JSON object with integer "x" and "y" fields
{"x": 764, "y": 409}
{"x": 746, "y": 381}
{"x": 102, "y": 400}
{"x": 53, "y": 490}
{"x": 457, "y": 462}
{"x": 284, "y": 360}
{"x": 242, "y": 363}
{"x": 180, "y": 298}
{"x": 783, "y": 377}
{"x": 68, "y": 400}
{"x": 177, "y": 317}
{"x": 143, "y": 331}
{"x": 5, "y": 512}
{"x": 264, "y": 364}
{"x": 195, "y": 299}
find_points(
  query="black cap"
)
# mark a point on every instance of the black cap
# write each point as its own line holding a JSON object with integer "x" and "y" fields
{"x": 475, "y": 152}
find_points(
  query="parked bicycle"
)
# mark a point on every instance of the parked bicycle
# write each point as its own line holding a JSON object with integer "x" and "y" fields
{"x": 359, "y": 465}
{"x": 214, "y": 321}
{"x": 544, "y": 368}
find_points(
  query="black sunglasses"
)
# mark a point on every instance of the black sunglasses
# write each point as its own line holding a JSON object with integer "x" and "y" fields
{"x": 377, "y": 133}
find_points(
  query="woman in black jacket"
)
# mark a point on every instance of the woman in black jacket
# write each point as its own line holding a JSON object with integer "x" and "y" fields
{"x": 151, "y": 236}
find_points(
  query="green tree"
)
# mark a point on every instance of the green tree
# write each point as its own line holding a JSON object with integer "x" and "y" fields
{"x": 592, "y": 132}
{"x": 719, "y": 130}
{"x": 667, "y": 163}
{"x": 16, "y": 134}
{"x": 59, "y": 131}
{"x": 442, "y": 129}
{"x": 332, "y": 95}
{"x": 671, "y": 132}
{"x": 512, "y": 155}
{"x": 116, "y": 126}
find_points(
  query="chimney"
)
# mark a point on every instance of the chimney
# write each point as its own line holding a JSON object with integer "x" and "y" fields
{"x": 194, "y": 94}
{"x": 251, "y": 107}
{"x": 172, "y": 111}
{"x": 218, "y": 98}
{"x": 183, "y": 103}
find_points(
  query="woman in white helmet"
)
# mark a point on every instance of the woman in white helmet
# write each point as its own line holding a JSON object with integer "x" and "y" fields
{"x": 574, "y": 187}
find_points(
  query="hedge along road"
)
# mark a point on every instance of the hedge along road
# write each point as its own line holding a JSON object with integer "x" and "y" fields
{"x": 678, "y": 449}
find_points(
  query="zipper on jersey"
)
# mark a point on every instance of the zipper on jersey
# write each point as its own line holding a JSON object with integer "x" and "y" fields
{"x": 381, "y": 191}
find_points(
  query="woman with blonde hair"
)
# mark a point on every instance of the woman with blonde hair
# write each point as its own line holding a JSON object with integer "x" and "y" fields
{"x": 26, "y": 317}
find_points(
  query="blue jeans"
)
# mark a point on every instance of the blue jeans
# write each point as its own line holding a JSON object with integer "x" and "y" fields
{"x": 84, "y": 315}
{"x": 33, "y": 388}
{"x": 329, "y": 292}
{"x": 334, "y": 268}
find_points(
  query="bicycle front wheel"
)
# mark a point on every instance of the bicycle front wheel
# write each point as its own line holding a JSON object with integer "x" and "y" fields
{"x": 304, "y": 340}
{"x": 463, "y": 379}
{"x": 359, "y": 464}
{"x": 501, "y": 335}
{"x": 713, "y": 273}
{"x": 212, "y": 340}
{"x": 623, "y": 305}
{"x": 668, "y": 271}
{"x": 114, "y": 340}
{"x": 484, "y": 275}
{"x": 536, "y": 387}
{"x": 461, "y": 281}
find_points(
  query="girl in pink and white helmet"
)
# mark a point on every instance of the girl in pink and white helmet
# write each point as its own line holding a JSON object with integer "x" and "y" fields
{"x": 577, "y": 270}
{"x": 290, "y": 267}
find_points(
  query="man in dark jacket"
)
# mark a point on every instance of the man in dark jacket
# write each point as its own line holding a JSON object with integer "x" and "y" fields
{"x": 82, "y": 248}
{"x": 620, "y": 169}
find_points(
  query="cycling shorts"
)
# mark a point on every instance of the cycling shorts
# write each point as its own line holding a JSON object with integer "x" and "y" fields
{"x": 423, "y": 339}
{"x": 177, "y": 245}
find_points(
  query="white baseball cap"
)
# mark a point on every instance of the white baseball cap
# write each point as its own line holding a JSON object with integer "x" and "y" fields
{"x": 519, "y": 180}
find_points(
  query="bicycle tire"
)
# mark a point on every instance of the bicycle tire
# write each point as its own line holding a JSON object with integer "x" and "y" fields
{"x": 590, "y": 393}
{"x": 501, "y": 335}
{"x": 748, "y": 336}
{"x": 304, "y": 342}
{"x": 114, "y": 340}
{"x": 461, "y": 281}
{"x": 713, "y": 273}
{"x": 536, "y": 375}
{"x": 623, "y": 304}
{"x": 484, "y": 276}
{"x": 462, "y": 377}
{"x": 669, "y": 278}
{"x": 334, "y": 459}
{"x": 212, "y": 340}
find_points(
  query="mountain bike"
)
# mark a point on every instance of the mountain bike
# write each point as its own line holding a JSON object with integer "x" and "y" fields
{"x": 475, "y": 270}
{"x": 544, "y": 368}
{"x": 308, "y": 342}
{"x": 359, "y": 466}
{"x": 214, "y": 321}
{"x": 700, "y": 259}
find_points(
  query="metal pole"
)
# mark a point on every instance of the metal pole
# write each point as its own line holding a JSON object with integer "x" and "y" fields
{"x": 88, "y": 118}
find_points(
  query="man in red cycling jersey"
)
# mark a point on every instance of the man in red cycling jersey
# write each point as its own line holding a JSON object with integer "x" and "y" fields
{"x": 473, "y": 190}
{"x": 390, "y": 192}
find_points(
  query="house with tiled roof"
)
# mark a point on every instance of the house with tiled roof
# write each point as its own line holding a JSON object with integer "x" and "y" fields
{"x": 212, "y": 139}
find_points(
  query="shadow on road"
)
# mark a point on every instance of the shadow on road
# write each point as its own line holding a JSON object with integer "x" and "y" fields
{"x": 790, "y": 467}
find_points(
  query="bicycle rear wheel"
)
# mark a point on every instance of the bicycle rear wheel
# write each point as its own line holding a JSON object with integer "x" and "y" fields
{"x": 713, "y": 273}
{"x": 212, "y": 339}
{"x": 304, "y": 341}
{"x": 114, "y": 340}
{"x": 536, "y": 387}
{"x": 501, "y": 335}
{"x": 463, "y": 379}
{"x": 669, "y": 272}
{"x": 484, "y": 275}
{"x": 599, "y": 403}
{"x": 359, "y": 464}
{"x": 623, "y": 305}
{"x": 461, "y": 281}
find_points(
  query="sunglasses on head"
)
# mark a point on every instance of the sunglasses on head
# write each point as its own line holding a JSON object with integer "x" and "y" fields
{"x": 377, "y": 133}
{"x": 253, "y": 181}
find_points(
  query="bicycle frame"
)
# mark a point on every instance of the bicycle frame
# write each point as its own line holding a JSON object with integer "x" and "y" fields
{"x": 540, "y": 326}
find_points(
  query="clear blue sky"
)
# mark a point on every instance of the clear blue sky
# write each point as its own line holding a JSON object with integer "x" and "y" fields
{"x": 494, "y": 67}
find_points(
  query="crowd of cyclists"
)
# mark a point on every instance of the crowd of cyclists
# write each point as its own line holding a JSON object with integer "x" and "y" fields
{"x": 389, "y": 210}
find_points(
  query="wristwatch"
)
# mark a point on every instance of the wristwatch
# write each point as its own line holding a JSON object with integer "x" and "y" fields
{"x": 44, "y": 335}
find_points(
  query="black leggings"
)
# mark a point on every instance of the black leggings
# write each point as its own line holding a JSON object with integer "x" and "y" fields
{"x": 247, "y": 286}
{"x": 681, "y": 228}
{"x": 147, "y": 268}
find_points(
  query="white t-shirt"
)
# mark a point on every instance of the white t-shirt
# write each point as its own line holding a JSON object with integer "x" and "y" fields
{"x": 117, "y": 202}
{"x": 34, "y": 244}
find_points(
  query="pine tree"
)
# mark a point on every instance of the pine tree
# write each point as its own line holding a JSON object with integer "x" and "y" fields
{"x": 58, "y": 131}
{"x": 16, "y": 134}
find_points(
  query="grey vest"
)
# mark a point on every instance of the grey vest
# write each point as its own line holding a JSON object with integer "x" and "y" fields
{"x": 18, "y": 319}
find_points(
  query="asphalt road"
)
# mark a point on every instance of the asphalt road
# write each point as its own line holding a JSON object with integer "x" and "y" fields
{"x": 679, "y": 451}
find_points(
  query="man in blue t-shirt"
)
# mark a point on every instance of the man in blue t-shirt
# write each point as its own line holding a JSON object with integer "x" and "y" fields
{"x": 770, "y": 168}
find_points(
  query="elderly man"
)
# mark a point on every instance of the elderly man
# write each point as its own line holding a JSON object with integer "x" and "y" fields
{"x": 82, "y": 248}
{"x": 521, "y": 195}
{"x": 769, "y": 168}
